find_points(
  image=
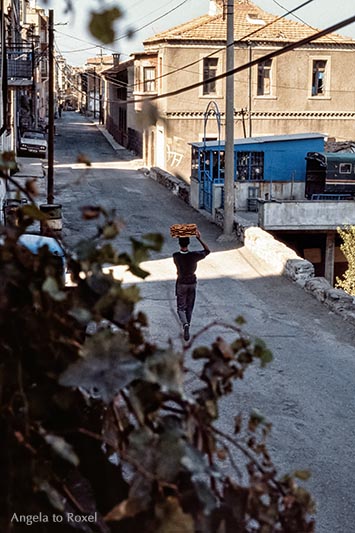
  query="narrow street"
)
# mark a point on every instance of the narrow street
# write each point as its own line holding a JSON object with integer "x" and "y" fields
{"x": 307, "y": 392}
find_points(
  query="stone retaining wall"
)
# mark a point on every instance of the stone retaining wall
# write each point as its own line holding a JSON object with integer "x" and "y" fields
{"x": 176, "y": 185}
{"x": 286, "y": 262}
{"x": 282, "y": 259}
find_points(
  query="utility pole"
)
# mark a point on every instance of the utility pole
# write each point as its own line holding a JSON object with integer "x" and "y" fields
{"x": 52, "y": 223}
{"x": 249, "y": 90}
{"x": 94, "y": 92}
{"x": 50, "y": 180}
{"x": 228, "y": 221}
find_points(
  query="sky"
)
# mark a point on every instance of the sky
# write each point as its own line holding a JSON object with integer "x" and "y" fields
{"x": 76, "y": 43}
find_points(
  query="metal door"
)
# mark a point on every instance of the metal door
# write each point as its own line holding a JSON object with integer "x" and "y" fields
{"x": 206, "y": 182}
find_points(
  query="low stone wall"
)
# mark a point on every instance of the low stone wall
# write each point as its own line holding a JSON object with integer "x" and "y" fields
{"x": 276, "y": 254}
{"x": 286, "y": 262}
{"x": 282, "y": 259}
{"x": 175, "y": 185}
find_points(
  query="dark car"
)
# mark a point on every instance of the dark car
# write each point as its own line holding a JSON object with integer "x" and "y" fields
{"x": 33, "y": 143}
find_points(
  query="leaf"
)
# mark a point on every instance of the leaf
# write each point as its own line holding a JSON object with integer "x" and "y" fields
{"x": 139, "y": 249}
{"x": 202, "y": 352}
{"x": 169, "y": 453}
{"x": 153, "y": 241}
{"x": 110, "y": 231}
{"x": 82, "y": 315}
{"x": 125, "y": 509}
{"x": 224, "y": 348}
{"x": 205, "y": 495}
{"x": 89, "y": 212}
{"x": 138, "y": 271}
{"x": 31, "y": 187}
{"x": 141, "y": 440}
{"x": 145, "y": 398}
{"x": 255, "y": 419}
{"x": 238, "y": 421}
{"x": 32, "y": 211}
{"x": 101, "y": 24}
{"x": 82, "y": 158}
{"x": 194, "y": 461}
{"x": 62, "y": 448}
{"x": 165, "y": 368}
{"x": 304, "y": 475}
{"x": 236, "y": 499}
{"x": 261, "y": 352}
{"x": 54, "y": 497}
{"x": 50, "y": 286}
{"x": 106, "y": 366}
{"x": 8, "y": 161}
{"x": 172, "y": 519}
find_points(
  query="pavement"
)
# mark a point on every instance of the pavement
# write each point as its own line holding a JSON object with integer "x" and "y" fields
{"x": 307, "y": 392}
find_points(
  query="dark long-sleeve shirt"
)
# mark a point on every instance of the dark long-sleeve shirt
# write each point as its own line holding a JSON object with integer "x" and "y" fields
{"x": 186, "y": 265}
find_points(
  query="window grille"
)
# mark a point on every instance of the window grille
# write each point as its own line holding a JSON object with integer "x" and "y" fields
{"x": 250, "y": 166}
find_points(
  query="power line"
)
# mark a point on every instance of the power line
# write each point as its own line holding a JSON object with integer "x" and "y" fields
{"x": 261, "y": 59}
{"x": 94, "y": 45}
{"x": 240, "y": 40}
{"x": 130, "y": 33}
{"x": 299, "y": 18}
{"x": 184, "y": 67}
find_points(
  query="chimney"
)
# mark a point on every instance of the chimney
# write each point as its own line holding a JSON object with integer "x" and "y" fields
{"x": 116, "y": 59}
{"x": 216, "y": 7}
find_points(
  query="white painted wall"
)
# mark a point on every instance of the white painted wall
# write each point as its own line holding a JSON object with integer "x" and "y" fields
{"x": 306, "y": 215}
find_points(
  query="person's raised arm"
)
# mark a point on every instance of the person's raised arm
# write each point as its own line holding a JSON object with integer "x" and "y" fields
{"x": 198, "y": 237}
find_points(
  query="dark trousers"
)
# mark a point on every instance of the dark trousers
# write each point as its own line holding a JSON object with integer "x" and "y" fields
{"x": 185, "y": 299}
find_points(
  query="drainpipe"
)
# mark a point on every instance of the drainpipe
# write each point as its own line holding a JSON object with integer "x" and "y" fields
{"x": 250, "y": 91}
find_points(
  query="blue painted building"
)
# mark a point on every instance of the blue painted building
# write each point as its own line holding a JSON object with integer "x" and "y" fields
{"x": 263, "y": 166}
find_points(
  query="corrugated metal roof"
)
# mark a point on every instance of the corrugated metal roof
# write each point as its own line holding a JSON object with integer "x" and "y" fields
{"x": 262, "y": 140}
{"x": 342, "y": 156}
{"x": 247, "y": 18}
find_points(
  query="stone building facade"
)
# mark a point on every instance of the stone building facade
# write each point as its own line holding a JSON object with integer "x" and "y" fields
{"x": 303, "y": 90}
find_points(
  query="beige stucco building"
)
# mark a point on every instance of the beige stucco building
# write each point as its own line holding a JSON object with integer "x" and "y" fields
{"x": 303, "y": 90}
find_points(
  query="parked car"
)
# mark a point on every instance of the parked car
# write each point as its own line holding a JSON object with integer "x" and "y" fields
{"x": 33, "y": 143}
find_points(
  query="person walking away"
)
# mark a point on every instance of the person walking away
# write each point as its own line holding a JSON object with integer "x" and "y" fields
{"x": 185, "y": 290}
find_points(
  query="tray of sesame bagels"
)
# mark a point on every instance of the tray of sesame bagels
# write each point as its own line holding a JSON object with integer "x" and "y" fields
{"x": 183, "y": 230}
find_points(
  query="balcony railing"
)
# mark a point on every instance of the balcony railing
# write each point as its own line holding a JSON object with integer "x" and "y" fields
{"x": 19, "y": 64}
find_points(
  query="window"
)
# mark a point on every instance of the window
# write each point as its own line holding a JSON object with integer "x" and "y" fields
{"x": 264, "y": 78}
{"x": 149, "y": 79}
{"x": 250, "y": 166}
{"x": 345, "y": 168}
{"x": 319, "y": 72}
{"x": 209, "y": 71}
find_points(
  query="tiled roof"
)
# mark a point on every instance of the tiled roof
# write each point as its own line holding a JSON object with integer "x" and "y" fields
{"x": 247, "y": 18}
{"x": 118, "y": 68}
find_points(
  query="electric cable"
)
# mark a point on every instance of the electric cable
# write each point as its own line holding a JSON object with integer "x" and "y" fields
{"x": 300, "y": 19}
{"x": 275, "y": 53}
{"x": 245, "y": 37}
{"x": 130, "y": 33}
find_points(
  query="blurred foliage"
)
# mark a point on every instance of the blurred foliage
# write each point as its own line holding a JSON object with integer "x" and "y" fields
{"x": 347, "y": 282}
{"x": 101, "y": 21}
{"x": 101, "y": 24}
{"x": 96, "y": 418}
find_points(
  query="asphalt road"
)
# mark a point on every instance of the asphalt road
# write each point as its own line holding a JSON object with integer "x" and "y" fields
{"x": 307, "y": 391}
